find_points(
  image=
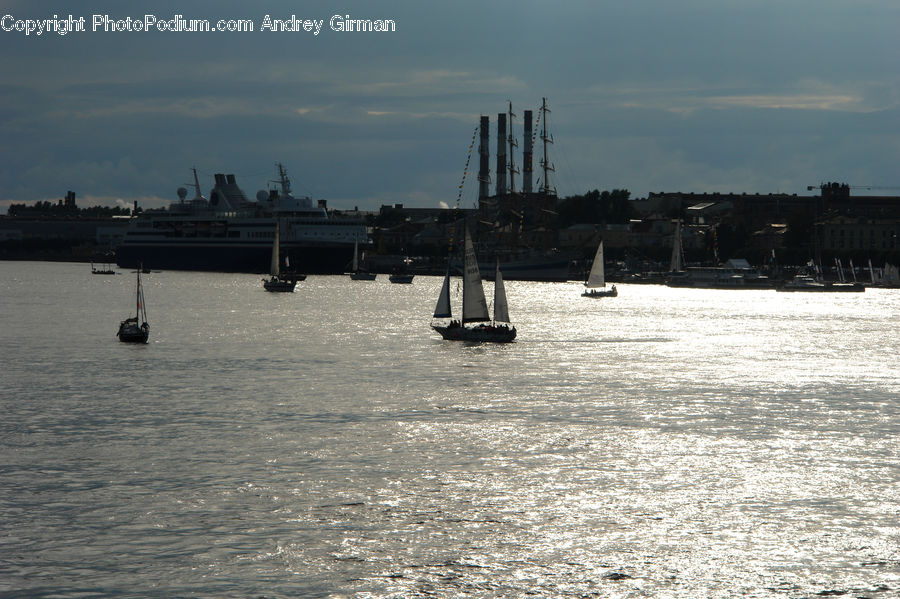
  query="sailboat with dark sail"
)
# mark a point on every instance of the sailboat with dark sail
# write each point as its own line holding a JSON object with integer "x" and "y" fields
{"x": 279, "y": 281}
{"x": 474, "y": 306}
{"x": 357, "y": 272}
{"x": 129, "y": 330}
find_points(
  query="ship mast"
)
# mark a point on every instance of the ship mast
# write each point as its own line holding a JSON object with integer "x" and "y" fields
{"x": 197, "y": 194}
{"x": 545, "y": 163}
{"x": 284, "y": 181}
{"x": 512, "y": 160}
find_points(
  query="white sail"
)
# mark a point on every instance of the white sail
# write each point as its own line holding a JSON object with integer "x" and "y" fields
{"x": 474, "y": 305}
{"x": 675, "y": 264}
{"x": 597, "y": 277}
{"x": 273, "y": 267}
{"x": 501, "y": 308}
{"x": 442, "y": 309}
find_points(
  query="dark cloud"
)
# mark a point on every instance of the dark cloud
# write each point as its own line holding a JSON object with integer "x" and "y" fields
{"x": 646, "y": 95}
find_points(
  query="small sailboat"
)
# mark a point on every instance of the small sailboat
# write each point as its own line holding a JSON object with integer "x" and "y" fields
{"x": 402, "y": 275}
{"x": 810, "y": 279}
{"x": 474, "y": 306}
{"x": 357, "y": 273}
{"x": 277, "y": 282}
{"x": 129, "y": 330}
{"x": 596, "y": 281}
{"x": 106, "y": 270}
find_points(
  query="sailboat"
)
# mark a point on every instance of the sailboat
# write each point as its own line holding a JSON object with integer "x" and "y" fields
{"x": 810, "y": 279}
{"x": 277, "y": 282}
{"x": 474, "y": 306}
{"x": 402, "y": 275}
{"x": 107, "y": 270}
{"x": 677, "y": 276}
{"x": 596, "y": 281}
{"x": 357, "y": 274}
{"x": 129, "y": 330}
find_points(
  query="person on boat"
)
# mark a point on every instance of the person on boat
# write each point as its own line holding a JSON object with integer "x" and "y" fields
{"x": 453, "y": 324}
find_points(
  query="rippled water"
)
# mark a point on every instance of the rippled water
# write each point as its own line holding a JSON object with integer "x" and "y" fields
{"x": 326, "y": 443}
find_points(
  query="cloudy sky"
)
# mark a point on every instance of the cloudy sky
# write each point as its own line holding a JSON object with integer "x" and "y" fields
{"x": 753, "y": 96}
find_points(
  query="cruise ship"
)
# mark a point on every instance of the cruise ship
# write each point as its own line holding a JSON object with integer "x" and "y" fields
{"x": 230, "y": 233}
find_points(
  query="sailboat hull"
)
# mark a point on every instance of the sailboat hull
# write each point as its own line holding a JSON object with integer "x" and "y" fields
{"x": 276, "y": 284}
{"x": 363, "y": 276}
{"x": 488, "y": 333}
{"x": 612, "y": 292}
{"x": 130, "y": 332}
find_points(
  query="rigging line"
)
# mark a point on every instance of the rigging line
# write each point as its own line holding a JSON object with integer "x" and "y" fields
{"x": 462, "y": 184}
{"x": 466, "y": 169}
{"x": 537, "y": 127}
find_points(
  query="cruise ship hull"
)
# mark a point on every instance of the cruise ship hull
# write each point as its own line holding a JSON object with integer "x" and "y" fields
{"x": 229, "y": 233}
{"x": 230, "y": 257}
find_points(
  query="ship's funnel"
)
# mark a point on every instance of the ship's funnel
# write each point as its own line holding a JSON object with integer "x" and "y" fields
{"x": 527, "y": 153}
{"x": 501, "y": 154}
{"x": 484, "y": 174}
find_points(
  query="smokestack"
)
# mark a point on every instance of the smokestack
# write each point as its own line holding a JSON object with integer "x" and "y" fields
{"x": 526, "y": 155}
{"x": 484, "y": 174}
{"x": 501, "y": 154}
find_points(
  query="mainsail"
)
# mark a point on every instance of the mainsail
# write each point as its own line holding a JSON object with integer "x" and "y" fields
{"x": 474, "y": 305}
{"x": 501, "y": 308}
{"x": 273, "y": 267}
{"x": 675, "y": 263}
{"x": 141, "y": 312}
{"x": 597, "y": 278}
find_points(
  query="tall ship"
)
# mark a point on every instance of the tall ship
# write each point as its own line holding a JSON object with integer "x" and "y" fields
{"x": 230, "y": 233}
{"x": 516, "y": 224}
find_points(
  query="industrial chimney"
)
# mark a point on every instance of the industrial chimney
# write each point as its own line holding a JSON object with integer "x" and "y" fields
{"x": 526, "y": 155}
{"x": 484, "y": 174}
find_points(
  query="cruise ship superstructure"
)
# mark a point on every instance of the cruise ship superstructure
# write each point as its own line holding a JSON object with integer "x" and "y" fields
{"x": 230, "y": 233}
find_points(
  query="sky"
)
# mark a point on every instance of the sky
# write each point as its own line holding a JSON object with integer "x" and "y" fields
{"x": 744, "y": 96}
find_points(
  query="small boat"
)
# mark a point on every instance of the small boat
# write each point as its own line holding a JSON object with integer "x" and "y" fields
{"x": 803, "y": 283}
{"x": 402, "y": 276}
{"x": 359, "y": 274}
{"x": 596, "y": 281}
{"x": 107, "y": 270}
{"x": 808, "y": 283}
{"x": 277, "y": 281}
{"x": 812, "y": 281}
{"x": 129, "y": 330}
{"x": 474, "y": 306}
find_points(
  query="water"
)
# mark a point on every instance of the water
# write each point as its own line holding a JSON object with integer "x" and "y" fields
{"x": 325, "y": 443}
